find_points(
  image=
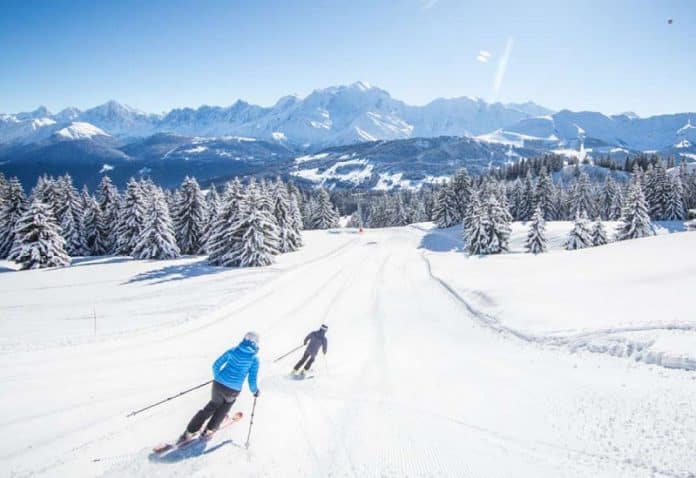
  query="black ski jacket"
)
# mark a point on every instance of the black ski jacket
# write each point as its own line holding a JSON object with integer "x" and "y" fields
{"x": 317, "y": 340}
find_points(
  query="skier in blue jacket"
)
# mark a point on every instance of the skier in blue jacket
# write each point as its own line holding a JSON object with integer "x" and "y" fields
{"x": 229, "y": 372}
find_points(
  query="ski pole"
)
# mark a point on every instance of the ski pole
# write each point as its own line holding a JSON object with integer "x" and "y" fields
{"x": 251, "y": 422}
{"x": 167, "y": 399}
{"x": 285, "y": 355}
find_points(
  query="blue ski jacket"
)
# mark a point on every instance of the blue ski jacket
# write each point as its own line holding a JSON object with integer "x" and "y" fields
{"x": 238, "y": 363}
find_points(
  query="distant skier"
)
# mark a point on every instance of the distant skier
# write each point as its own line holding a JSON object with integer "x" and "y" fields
{"x": 314, "y": 341}
{"x": 229, "y": 372}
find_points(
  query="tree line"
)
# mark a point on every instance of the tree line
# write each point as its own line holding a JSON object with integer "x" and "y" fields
{"x": 245, "y": 225}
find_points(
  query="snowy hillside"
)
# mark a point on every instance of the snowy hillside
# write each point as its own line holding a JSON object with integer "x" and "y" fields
{"x": 606, "y": 303}
{"x": 438, "y": 364}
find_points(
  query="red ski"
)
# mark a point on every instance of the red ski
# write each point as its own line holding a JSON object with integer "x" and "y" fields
{"x": 165, "y": 447}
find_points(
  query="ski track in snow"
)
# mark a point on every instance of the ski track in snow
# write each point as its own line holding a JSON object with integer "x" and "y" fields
{"x": 413, "y": 385}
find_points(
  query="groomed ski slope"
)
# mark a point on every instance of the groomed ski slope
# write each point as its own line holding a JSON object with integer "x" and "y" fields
{"x": 415, "y": 383}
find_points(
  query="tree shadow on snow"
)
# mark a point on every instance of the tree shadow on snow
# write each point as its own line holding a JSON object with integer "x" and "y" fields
{"x": 443, "y": 240}
{"x": 671, "y": 226}
{"x": 177, "y": 272}
{"x": 98, "y": 260}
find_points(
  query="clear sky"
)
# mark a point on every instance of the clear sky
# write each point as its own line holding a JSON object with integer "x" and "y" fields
{"x": 610, "y": 55}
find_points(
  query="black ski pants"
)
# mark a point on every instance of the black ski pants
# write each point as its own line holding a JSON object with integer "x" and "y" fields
{"x": 222, "y": 399}
{"x": 307, "y": 359}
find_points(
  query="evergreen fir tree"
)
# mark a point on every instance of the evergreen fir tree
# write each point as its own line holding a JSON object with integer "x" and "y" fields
{"x": 499, "y": 229}
{"x": 131, "y": 219}
{"x": 288, "y": 234}
{"x": 610, "y": 200}
{"x": 94, "y": 227}
{"x": 71, "y": 217}
{"x": 325, "y": 215}
{"x": 536, "y": 236}
{"x": 528, "y": 198}
{"x": 445, "y": 212}
{"x": 157, "y": 240}
{"x": 544, "y": 195}
{"x": 635, "y": 221}
{"x": 599, "y": 235}
{"x": 308, "y": 213}
{"x": 582, "y": 195}
{"x": 14, "y": 204}
{"x": 399, "y": 215}
{"x": 461, "y": 192}
{"x": 674, "y": 206}
{"x": 38, "y": 243}
{"x": 214, "y": 207}
{"x": 221, "y": 239}
{"x": 297, "y": 221}
{"x": 656, "y": 190}
{"x": 581, "y": 235}
{"x": 109, "y": 205}
{"x": 189, "y": 217}
{"x": 252, "y": 239}
{"x": 476, "y": 231}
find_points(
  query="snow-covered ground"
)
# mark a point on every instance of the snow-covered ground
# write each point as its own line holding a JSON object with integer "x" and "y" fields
{"x": 419, "y": 379}
{"x": 632, "y": 299}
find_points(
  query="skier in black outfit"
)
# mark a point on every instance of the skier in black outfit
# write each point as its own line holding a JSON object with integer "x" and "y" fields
{"x": 314, "y": 341}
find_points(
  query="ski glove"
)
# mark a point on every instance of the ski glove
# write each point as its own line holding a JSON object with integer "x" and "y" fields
{"x": 256, "y": 394}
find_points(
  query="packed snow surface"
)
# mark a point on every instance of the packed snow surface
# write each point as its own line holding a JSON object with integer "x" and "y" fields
{"x": 424, "y": 376}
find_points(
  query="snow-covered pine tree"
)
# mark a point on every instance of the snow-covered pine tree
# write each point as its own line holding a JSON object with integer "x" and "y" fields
{"x": 476, "y": 228}
{"x": 325, "y": 215}
{"x": 515, "y": 193}
{"x": 288, "y": 234}
{"x": 536, "y": 236}
{"x": 674, "y": 206}
{"x": 499, "y": 229}
{"x": 445, "y": 213}
{"x": 214, "y": 207}
{"x": 528, "y": 198}
{"x": 378, "y": 213}
{"x": 265, "y": 194}
{"x": 581, "y": 235}
{"x": 461, "y": 189}
{"x": 38, "y": 243}
{"x": 14, "y": 204}
{"x": 189, "y": 217}
{"x": 109, "y": 202}
{"x": 308, "y": 209}
{"x": 656, "y": 189}
{"x": 582, "y": 197}
{"x": 399, "y": 217}
{"x": 252, "y": 238}
{"x": 49, "y": 191}
{"x": 157, "y": 240}
{"x": 296, "y": 215}
{"x": 599, "y": 234}
{"x": 94, "y": 228}
{"x": 635, "y": 220}
{"x": 131, "y": 218}
{"x": 71, "y": 217}
{"x": 221, "y": 240}
{"x": 610, "y": 200}
{"x": 544, "y": 195}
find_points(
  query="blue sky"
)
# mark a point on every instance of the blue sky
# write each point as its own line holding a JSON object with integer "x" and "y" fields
{"x": 611, "y": 56}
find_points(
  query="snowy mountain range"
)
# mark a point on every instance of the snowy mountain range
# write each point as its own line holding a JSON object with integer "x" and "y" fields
{"x": 240, "y": 138}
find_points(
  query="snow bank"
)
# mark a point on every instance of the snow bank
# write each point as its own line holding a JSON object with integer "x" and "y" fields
{"x": 631, "y": 298}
